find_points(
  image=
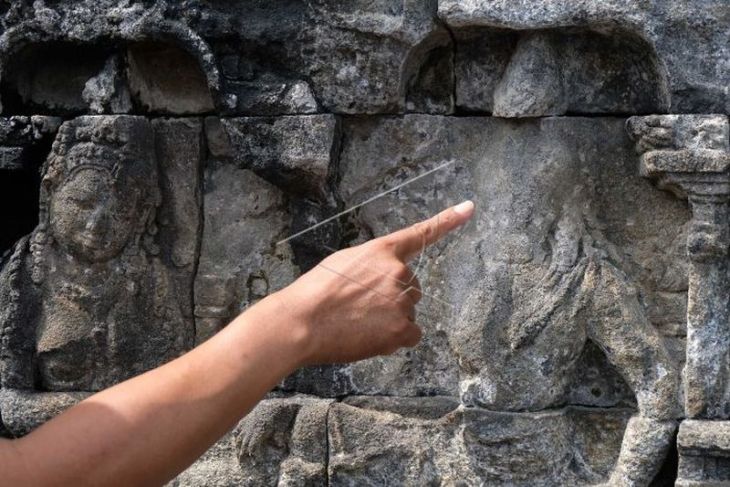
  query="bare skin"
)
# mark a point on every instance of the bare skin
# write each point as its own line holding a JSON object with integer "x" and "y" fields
{"x": 148, "y": 429}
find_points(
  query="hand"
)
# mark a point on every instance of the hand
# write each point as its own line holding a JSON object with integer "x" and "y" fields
{"x": 360, "y": 302}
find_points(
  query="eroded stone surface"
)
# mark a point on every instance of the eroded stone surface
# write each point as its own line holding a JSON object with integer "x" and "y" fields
{"x": 295, "y": 153}
{"x": 516, "y": 187}
{"x": 552, "y": 259}
{"x": 284, "y": 442}
{"x": 422, "y": 442}
{"x": 87, "y": 300}
{"x": 688, "y": 38}
{"x": 217, "y": 467}
{"x": 704, "y": 453}
{"x": 167, "y": 80}
{"x": 239, "y": 264}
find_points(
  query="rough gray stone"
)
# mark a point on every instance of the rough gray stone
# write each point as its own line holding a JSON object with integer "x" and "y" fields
{"x": 20, "y": 136}
{"x": 423, "y": 442}
{"x": 690, "y": 156}
{"x": 54, "y": 80}
{"x": 239, "y": 262}
{"x": 295, "y": 153}
{"x": 480, "y": 60}
{"x": 284, "y": 442}
{"x": 553, "y": 258}
{"x": 167, "y": 80}
{"x": 557, "y": 71}
{"x": 107, "y": 92}
{"x": 179, "y": 148}
{"x": 23, "y": 131}
{"x": 363, "y": 57}
{"x": 704, "y": 453}
{"x": 515, "y": 185}
{"x": 24, "y": 411}
{"x": 532, "y": 83}
{"x": 4, "y": 433}
{"x": 688, "y": 40}
{"x": 218, "y": 467}
{"x": 272, "y": 97}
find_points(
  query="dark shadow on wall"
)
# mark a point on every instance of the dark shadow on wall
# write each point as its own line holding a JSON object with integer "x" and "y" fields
{"x": 18, "y": 205}
{"x": 19, "y": 190}
{"x": 69, "y": 79}
{"x": 667, "y": 475}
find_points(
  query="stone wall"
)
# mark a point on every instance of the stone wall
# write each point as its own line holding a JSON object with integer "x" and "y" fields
{"x": 155, "y": 154}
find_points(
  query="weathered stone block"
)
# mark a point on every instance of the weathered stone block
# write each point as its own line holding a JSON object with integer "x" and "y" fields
{"x": 684, "y": 49}
{"x": 296, "y": 153}
{"x": 704, "y": 453}
{"x": 272, "y": 97}
{"x": 52, "y": 79}
{"x": 21, "y": 136}
{"x": 180, "y": 151}
{"x": 429, "y": 441}
{"x": 577, "y": 287}
{"x": 167, "y": 80}
{"x": 557, "y": 71}
{"x": 87, "y": 298}
{"x": 217, "y": 467}
{"x": 523, "y": 176}
{"x": 284, "y": 442}
{"x": 690, "y": 156}
{"x": 23, "y": 131}
{"x": 24, "y": 411}
{"x": 239, "y": 262}
{"x": 532, "y": 83}
{"x": 107, "y": 92}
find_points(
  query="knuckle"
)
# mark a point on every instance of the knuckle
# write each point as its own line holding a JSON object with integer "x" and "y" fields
{"x": 402, "y": 272}
{"x": 424, "y": 230}
{"x": 390, "y": 247}
{"x": 379, "y": 244}
{"x": 400, "y": 327}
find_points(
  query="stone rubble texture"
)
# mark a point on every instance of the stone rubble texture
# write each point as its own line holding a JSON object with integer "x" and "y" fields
{"x": 154, "y": 155}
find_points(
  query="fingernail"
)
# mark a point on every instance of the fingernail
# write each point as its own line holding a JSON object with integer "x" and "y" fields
{"x": 464, "y": 208}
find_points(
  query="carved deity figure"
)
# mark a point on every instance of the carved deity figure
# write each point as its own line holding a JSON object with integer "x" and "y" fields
{"x": 560, "y": 284}
{"x": 85, "y": 301}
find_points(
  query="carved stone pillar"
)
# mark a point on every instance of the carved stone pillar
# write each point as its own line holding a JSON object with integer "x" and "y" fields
{"x": 689, "y": 156}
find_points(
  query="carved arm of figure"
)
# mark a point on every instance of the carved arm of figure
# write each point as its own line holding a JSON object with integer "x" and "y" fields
{"x": 618, "y": 325}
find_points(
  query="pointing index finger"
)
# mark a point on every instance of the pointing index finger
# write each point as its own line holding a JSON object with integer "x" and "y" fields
{"x": 410, "y": 241}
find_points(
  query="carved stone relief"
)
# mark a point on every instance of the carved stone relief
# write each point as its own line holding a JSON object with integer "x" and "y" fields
{"x": 87, "y": 299}
{"x": 158, "y": 161}
{"x": 690, "y": 156}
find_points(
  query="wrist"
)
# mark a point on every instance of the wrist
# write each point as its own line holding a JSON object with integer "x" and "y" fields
{"x": 286, "y": 328}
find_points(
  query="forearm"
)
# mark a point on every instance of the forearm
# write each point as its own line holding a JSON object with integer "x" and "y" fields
{"x": 147, "y": 429}
{"x": 358, "y": 303}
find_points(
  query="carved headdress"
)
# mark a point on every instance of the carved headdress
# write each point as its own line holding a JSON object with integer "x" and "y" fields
{"x": 122, "y": 146}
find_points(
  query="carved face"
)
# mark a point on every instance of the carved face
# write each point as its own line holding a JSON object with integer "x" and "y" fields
{"x": 90, "y": 217}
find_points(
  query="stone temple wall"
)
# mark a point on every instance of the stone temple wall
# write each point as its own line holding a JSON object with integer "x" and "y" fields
{"x": 153, "y": 154}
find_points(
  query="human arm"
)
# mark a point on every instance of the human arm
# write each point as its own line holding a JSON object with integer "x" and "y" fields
{"x": 146, "y": 430}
